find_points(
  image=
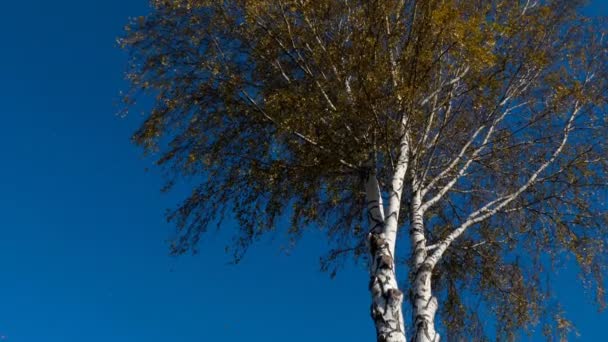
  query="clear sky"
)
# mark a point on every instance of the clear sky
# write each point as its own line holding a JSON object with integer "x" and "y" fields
{"x": 83, "y": 253}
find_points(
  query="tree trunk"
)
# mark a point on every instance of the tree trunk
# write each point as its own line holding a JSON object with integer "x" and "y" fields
{"x": 387, "y": 299}
{"x": 424, "y": 304}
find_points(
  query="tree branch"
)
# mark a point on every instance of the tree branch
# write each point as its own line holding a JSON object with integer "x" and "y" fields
{"x": 493, "y": 207}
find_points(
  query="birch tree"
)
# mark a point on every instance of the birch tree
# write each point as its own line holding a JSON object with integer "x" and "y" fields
{"x": 455, "y": 147}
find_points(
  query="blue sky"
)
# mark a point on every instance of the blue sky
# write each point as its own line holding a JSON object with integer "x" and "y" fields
{"x": 83, "y": 253}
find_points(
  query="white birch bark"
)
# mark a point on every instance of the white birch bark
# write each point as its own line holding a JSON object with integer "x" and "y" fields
{"x": 424, "y": 304}
{"x": 387, "y": 299}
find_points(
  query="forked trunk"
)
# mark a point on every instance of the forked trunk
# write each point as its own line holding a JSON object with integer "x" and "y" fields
{"x": 387, "y": 299}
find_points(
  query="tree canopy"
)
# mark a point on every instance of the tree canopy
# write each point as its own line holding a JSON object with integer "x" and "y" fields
{"x": 283, "y": 109}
